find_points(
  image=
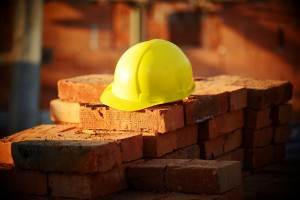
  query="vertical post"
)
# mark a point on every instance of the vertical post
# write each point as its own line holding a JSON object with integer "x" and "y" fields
{"x": 24, "y": 104}
{"x": 137, "y": 24}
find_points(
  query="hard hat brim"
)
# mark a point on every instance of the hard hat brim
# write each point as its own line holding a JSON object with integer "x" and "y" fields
{"x": 109, "y": 99}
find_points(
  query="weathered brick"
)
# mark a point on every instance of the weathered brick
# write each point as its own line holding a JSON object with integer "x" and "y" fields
{"x": 131, "y": 143}
{"x": 161, "y": 119}
{"x": 281, "y": 133}
{"x": 205, "y": 104}
{"x": 261, "y": 93}
{"x": 281, "y": 114}
{"x": 82, "y": 156}
{"x": 232, "y": 140}
{"x": 64, "y": 111}
{"x": 211, "y": 148}
{"x": 221, "y": 125}
{"x": 237, "y": 155}
{"x": 237, "y": 97}
{"x": 257, "y": 137}
{"x": 84, "y": 89}
{"x": 203, "y": 176}
{"x": 258, "y": 157}
{"x": 157, "y": 145}
{"x": 190, "y": 152}
{"x": 186, "y": 136}
{"x": 35, "y": 133}
{"x": 279, "y": 152}
{"x": 22, "y": 182}
{"x": 256, "y": 119}
{"x": 150, "y": 176}
{"x": 184, "y": 175}
{"x": 87, "y": 186}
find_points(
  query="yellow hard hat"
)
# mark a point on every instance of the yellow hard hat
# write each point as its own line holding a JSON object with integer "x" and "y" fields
{"x": 147, "y": 74}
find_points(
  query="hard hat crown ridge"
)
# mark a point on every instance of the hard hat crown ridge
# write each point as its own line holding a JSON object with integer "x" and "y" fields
{"x": 147, "y": 74}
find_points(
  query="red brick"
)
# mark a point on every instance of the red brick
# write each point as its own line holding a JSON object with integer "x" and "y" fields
{"x": 84, "y": 89}
{"x": 157, "y": 145}
{"x": 34, "y": 133}
{"x": 232, "y": 140}
{"x": 87, "y": 186}
{"x": 131, "y": 143}
{"x": 258, "y": 157}
{"x": 209, "y": 149}
{"x": 150, "y": 176}
{"x": 203, "y": 105}
{"x": 23, "y": 182}
{"x": 64, "y": 111}
{"x": 190, "y": 152}
{"x": 237, "y": 95}
{"x": 186, "y": 136}
{"x": 281, "y": 114}
{"x": 279, "y": 152}
{"x": 221, "y": 125}
{"x": 237, "y": 155}
{"x": 203, "y": 176}
{"x": 281, "y": 133}
{"x": 161, "y": 119}
{"x": 82, "y": 156}
{"x": 184, "y": 175}
{"x": 257, "y": 137}
{"x": 261, "y": 93}
{"x": 256, "y": 119}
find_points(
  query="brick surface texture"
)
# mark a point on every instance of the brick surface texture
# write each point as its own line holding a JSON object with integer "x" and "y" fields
{"x": 84, "y": 89}
{"x": 159, "y": 119}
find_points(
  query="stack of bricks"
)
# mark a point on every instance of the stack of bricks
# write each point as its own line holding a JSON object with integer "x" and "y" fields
{"x": 266, "y": 118}
{"x": 219, "y": 111}
{"x": 193, "y": 146}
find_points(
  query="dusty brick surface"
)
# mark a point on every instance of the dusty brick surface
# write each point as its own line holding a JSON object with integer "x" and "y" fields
{"x": 281, "y": 133}
{"x": 258, "y": 157}
{"x": 281, "y": 114}
{"x": 205, "y": 104}
{"x": 161, "y": 119}
{"x": 64, "y": 111}
{"x": 261, "y": 93}
{"x": 87, "y": 186}
{"x": 22, "y": 182}
{"x": 84, "y": 89}
{"x": 256, "y": 119}
{"x": 34, "y": 133}
{"x": 130, "y": 143}
{"x": 82, "y": 156}
{"x": 221, "y": 125}
{"x": 257, "y": 137}
{"x": 201, "y": 176}
{"x": 190, "y": 152}
{"x": 157, "y": 145}
{"x": 237, "y": 154}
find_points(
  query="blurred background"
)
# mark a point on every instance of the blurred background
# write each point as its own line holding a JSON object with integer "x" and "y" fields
{"x": 42, "y": 42}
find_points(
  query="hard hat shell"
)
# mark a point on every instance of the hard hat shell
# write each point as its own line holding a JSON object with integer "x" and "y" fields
{"x": 147, "y": 74}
